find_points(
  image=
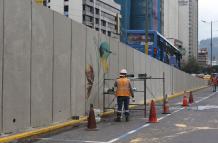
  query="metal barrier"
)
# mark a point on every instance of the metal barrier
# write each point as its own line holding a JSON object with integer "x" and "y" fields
{"x": 141, "y": 77}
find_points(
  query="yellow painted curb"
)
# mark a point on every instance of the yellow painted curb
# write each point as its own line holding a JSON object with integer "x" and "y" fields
{"x": 40, "y": 131}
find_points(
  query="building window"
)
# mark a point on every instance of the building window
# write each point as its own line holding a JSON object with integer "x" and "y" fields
{"x": 97, "y": 21}
{"x": 109, "y": 33}
{"x": 66, "y": 0}
{"x": 66, "y": 8}
{"x": 103, "y": 23}
{"x": 91, "y": 0}
{"x": 103, "y": 31}
{"x": 96, "y": 11}
{"x": 84, "y": 7}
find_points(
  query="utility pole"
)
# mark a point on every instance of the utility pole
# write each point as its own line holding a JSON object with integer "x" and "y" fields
{"x": 211, "y": 44}
{"x": 146, "y": 28}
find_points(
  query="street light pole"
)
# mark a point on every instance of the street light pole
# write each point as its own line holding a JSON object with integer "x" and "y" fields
{"x": 211, "y": 39}
{"x": 211, "y": 44}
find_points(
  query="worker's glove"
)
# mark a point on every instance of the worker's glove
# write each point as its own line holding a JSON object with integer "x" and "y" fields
{"x": 133, "y": 100}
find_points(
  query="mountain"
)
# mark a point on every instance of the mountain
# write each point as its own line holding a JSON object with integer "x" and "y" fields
{"x": 206, "y": 44}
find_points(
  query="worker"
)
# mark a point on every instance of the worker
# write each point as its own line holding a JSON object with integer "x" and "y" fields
{"x": 214, "y": 82}
{"x": 123, "y": 93}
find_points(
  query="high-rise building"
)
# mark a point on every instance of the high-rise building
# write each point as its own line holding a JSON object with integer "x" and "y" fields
{"x": 188, "y": 27}
{"x": 102, "y": 15}
{"x": 125, "y": 19}
{"x": 171, "y": 19}
{"x": 134, "y": 15}
{"x": 203, "y": 57}
{"x": 181, "y": 23}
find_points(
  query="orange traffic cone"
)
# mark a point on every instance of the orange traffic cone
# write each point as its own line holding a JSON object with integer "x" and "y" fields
{"x": 185, "y": 101}
{"x": 153, "y": 113}
{"x": 191, "y": 100}
{"x": 91, "y": 126}
{"x": 166, "y": 107}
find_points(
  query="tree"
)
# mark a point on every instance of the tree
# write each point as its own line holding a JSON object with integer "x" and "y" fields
{"x": 192, "y": 66}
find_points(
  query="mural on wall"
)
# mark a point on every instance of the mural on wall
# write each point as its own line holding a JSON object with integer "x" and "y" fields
{"x": 90, "y": 76}
{"x": 104, "y": 51}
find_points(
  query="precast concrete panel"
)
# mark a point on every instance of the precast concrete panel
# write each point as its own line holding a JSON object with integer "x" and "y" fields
{"x": 174, "y": 79}
{"x": 122, "y": 56}
{"x": 92, "y": 68}
{"x": 113, "y": 70}
{"x": 78, "y": 63}
{"x": 114, "y": 59}
{"x": 154, "y": 83}
{"x": 168, "y": 79}
{"x": 103, "y": 55}
{"x": 61, "y": 69}
{"x": 158, "y": 82}
{"x": 42, "y": 66}
{"x": 17, "y": 43}
{"x": 141, "y": 68}
{"x": 138, "y": 67}
{"x": 1, "y": 57}
{"x": 148, "y": 69}
{"x": 130, "y": 60}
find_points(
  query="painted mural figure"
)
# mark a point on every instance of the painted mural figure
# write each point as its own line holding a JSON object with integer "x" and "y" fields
{"x": 104, "y": 51}
{"x": 90, "y": 78}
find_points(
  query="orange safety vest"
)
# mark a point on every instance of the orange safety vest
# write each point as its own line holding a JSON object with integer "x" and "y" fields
{"x": 214, "y": 81}
{"x": 123, "y": 88}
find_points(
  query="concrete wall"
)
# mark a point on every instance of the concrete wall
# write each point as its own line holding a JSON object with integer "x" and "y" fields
{"x": 1, "y": 57}
{"x": 53, "y": 68}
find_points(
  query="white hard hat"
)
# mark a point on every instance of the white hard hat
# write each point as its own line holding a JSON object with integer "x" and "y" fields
{"x": 123, "y": 71}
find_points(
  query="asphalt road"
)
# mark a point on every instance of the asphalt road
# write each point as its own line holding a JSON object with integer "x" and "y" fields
{"x": 197, "y": 123}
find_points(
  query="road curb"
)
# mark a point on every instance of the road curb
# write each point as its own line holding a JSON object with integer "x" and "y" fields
{"x": 52, "y": 128}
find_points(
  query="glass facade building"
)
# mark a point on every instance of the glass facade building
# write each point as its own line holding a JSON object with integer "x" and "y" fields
{"x": 134, "y": 17}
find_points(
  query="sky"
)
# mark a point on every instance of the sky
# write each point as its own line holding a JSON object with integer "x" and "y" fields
{"x": 208, "y": 11}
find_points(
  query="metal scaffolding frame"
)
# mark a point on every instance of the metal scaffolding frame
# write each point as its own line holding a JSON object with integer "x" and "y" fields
{"x": 141, "y": 77}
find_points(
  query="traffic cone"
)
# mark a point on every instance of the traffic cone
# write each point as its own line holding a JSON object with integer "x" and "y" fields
{"x": 166, "y": 107}
{"x": 191, "y": 100}
{"x": 153, "y": 113}
{"x": 185, "y": 101}
{"x": 91, "y": 126}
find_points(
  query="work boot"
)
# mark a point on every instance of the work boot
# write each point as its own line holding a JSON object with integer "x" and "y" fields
{"x": 118, "y": 119}
{"x": 127, "y": 116}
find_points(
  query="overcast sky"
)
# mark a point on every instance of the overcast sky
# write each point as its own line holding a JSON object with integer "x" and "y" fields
{"x": 208, "y": 10}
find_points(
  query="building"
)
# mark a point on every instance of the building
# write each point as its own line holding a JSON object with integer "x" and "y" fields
{"x": 102, "y": 15}
{"x": 203, "y": 57}
{"x": 188, "y": 27}
{"x": 125, "y": 19}
{"x": 134, "y": 16}
{"x": 181, "y": 23}
{"x": 171, "y": 19}
{"x": 69, "y": 8}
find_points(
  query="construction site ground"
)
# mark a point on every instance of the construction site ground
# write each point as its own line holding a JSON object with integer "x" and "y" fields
{"x": 197, "y": 123}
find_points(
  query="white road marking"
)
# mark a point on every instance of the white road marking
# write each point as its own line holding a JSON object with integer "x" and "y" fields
{"x": 146, "y": 125}
{"x": 63, "y": 140}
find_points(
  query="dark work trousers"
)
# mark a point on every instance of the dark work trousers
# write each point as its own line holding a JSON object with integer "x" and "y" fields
{"x": 214, "y": 88}
{"x": 123, "y": 100}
